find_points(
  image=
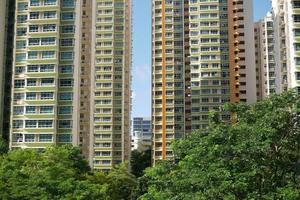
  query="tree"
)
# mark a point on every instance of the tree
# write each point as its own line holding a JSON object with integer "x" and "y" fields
{"x": 256, "y": 158}
{"x": 3, "y": 146}
{"x": 140, "y": 161}
{"x": 60, "y": 173}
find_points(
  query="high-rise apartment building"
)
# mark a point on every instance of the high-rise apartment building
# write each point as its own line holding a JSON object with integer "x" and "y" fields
{"x": 287, "y": 46}
{"x": 141, "y": 133}
{"x": 202, "y": 57}
{"x": 71, "y": 77}
{"x": 265, "y": 57}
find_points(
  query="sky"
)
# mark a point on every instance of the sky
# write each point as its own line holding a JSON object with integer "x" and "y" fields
{"x": 141, "y": 72}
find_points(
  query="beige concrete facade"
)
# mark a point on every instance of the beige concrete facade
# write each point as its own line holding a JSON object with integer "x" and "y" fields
{"x": 72, "y": 77}
{"x": 202, "y": 57}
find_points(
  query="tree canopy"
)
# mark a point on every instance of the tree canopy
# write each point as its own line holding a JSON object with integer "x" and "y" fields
{"x": 256, "y": 158}
{"x": 60, "y": 173}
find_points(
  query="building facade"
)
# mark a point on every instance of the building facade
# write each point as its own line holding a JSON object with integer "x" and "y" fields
{"x": 265, "y": 57}
{"x": 202, "y": 57}
{"x": 141, "y": 133}
{"x": 71, "y": 77}
{"x": 286, "y": 14}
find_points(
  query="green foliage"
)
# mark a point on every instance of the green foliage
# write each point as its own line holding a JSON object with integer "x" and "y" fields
{"x": 3, "y": 146}
{"x": 256, "y": 158}
{"x": 140, "y": 161}
{"x": 60, "y": 173}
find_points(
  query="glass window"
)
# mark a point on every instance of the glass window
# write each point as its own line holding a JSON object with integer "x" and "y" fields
{"x": 32, "y": 55}
{"x": 48, "y": 54}
{"x": 45, "y": 138}
{"x": 20, "y": 70}
{"x": 68, "y": 42}
{"x": 49, "y": 27}
{"x": 66, "y": 69}
{"x": 30, "y": 124}
{"x": 34, "y": 2}
{"x": 29, "y": 138}
{"x": 22, "y": 19}
{"x": 65, "y": 138}
{"x": 47, "y": 81}
{"x": 34, "y": 15}
{"x": 20, "y": 57}
{"x": 31, "y": 82}
{"x": 30, "y": 109}
{"x": 21, "y": 31}
{"x": 66, "y": 82}
{"x": 46, "y": 109}
{"x": 34, "y": 42}
{"x": 47, "y": 95}
{"x": 68, "y": 3}
{"x": 48, "y": 41}
{"x": 45, "y": 123}
{"x": 32, "y": 68}
{"x": 65, "y": 124}
{"x": 31, "y": 96}
{"x": 18, "y": 110}
{"x": 49, "y": 2}
{"x": 22, "y": 6}
{"x": 49, "y": 14}
{"x": 68, "y": 29}
{"x": 67, "y": 16}
{"x": 21, "y": 44}
{"x": 66, "y": 56}
{"x": 65, "y": 110}
{"x": 66, "y": 96}
{"x": 19, "y": 83}
{"x": 17, "y": 137}
{"x": 18, "y": 124}
{"x": 33, "y": 28}
{"x": 47, "y": 68}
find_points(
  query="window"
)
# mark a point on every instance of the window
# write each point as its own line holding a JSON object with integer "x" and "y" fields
{"x": 49, "y": 27}
{"x": 48, "y": 54}
{"x": 31, "y": 82}
{"x": 29, "y": 138}
{"x": 49, "y": 14}
{"x": 32, "y": 68}
{"x": 68, "y": 29}
{"x": 66, "y": 69}
{"x": 47, "y": 95}
{"x": 33, "y": 28}
{"x": 30, "y": 124}
{"x": 46, "y": 109}
{"x": 34, "y": 15}
{"x": 65, "y": 82}
{"x": 65, "y": 138}
{"x": 21, "y": 31}
{"x": 65, "y": 96}
{"x": 45, "y": 123}
{"x": 47, "y": 68}
{"x": 68, "y": 3}
{"x": 22, "y": 6}
{"x": 30, "y": 109}
{"x": 47, "y": 81}
{"x": 34, "y": 2}
{"x": 67, "y": 16}
{"x": 20, "y": 70}
{"x": 48, "y": 41}
{"x": 20, "y": 57}
{"x": 32, "y": 55}
{"x": 67, "y": 42}
{"x": 30, "y": 96}
{"x": 17, "y": 137}
{"x": 49, "y": 2}
{"x": 21, "y": 44}
{"x": 19, "y": 83}
{"x": 22, "y": 19}
{"x": 45, "y": 138}
{"x": 65, "y": 110}
{"x": 18, "y": 124}
{"x": 65, "y": 124}
{"x": 18, "y": 110}
{"x": 66, "y": 56}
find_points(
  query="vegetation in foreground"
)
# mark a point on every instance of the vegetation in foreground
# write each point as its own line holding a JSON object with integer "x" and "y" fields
{"x": 256, "y": 158}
